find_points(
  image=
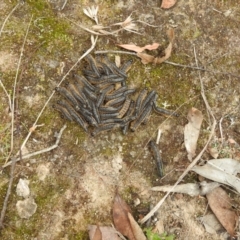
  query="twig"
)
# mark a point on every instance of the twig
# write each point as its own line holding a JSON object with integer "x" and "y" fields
{"x": 148, "y": 24}
{"x": 4, "y": 208}
{"x": 64, "y": 4}
{"x": 158, "y": 136}
{"x": 42, "y": 110}
{"x": 89, "y": 30}
{"x": 114, "y": 51}
{"x": 3, "y": 25}
{"x": 8, "y": 95}
{"x": 59, "y": 135}
{"x": 220, "y": 129}
{"x": 171, "y": 63}
{"x": 194, "y": 162}
{"x": 14, "y": 88}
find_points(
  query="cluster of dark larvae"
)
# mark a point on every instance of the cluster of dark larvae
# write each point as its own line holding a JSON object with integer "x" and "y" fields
{"x": 100, "y": 99}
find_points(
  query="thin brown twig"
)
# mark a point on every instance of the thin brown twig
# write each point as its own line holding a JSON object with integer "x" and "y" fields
{"x": 50, "y": 97}
{"x": 8, "y": 95}
{"x": 13, "y": 162}
{"x": 4, "y": 208}
{"x": 14, "y": 87}
{"x": 8, "y": 16}
{"x": 168, "y": 62}
{"x": 55, "y": 145}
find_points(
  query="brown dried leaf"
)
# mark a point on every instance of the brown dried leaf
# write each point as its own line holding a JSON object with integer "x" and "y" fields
{"x": 97, "y": 234}
{"x": 138, "y": 49}
{"x": 213, "y": 151}
{"x": 137, "y": 231}
{"x": 146, "y": 58}
{"x": 108, "y": 233}
{"x": 168, "y": 3}
{"x": 220, "y": 203}
{"x": 120, "y": 217}
{"x": 191, "y": 131}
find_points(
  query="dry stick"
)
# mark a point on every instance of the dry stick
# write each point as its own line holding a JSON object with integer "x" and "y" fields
{"x": 171, "y": 63}
{"x": 13, "y": 162}
{"x": 150, "y": 214}
{"x": 40, "y": 151}
{"x": 14, "y": 88}
{"x": 3, "y": 25}
{"x": 4, "y": 208}
{"x": 88, "y": 30}
{"x": 39, "y": 115}
{"x": 8, "y": 95}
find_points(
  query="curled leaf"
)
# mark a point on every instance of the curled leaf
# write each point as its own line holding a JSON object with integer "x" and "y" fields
{"x": 120, "y": 217}
{"x": 191, "y": 131}
{"x": 168, "y": 3}
{"x": 107, "y": 233}
{"x": 220, "y": 203}
{"x": 137, "y": 231}
{"x": 138, "y": 49}
{"x": 146, "y": 58}
{"x": 192, "y": 189}
{"x": 221, "y": 170}
{"x": 97, "y": 234}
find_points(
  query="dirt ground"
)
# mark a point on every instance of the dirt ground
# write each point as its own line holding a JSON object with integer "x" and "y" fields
{"x": 74, "y": 184}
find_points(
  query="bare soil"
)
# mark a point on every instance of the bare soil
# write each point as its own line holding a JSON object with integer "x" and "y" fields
{"x": 74, "y": 184}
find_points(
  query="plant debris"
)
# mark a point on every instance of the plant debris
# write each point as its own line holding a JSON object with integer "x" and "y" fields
{"x": 221, "y": 170}
{"x": 192, "y": 189}
{"x": 102, "y": 100}
{"x": 146, "y": 58}
{"x": 166, "y": 4}
{"x": 138, "y": 49}
{"x": 220, "y": 203}
{"x": 102, "y": 233}
{"x": 211, "y": 223}
{"x": 124, "y": 221}
{"x": 191, "y": 131}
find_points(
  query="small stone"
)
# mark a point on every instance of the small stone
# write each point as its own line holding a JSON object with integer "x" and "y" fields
{"x": 22, "y": 188}
{"x": 26, "y": 208}
{"x": 136, "y": 202}
{"x": 42, "y": 171}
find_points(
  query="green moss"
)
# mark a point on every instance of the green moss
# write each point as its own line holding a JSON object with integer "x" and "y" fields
{"x": 82, "y": 235}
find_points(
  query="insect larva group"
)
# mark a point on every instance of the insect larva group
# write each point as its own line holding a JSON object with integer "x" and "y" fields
{"x": 101, "y": 99}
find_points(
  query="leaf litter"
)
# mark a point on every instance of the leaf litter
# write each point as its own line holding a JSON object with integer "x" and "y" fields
{"x": 220, "y": 203}
{"x": 147, "y": 58}
{"x": 97, "y": 234}
{"x": 223, "y": 170}
{"x": 166, "y": 4}
{"x": 124, "y": 221}
{"x": 191, "y": 131}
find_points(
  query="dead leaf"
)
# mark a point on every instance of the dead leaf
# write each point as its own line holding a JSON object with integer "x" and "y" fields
{"x": 108, "y": 233}
{"x": 137, "y": 231}
{"x": 221, "y": 170}
{"x": 168, "y": 3}
{"x": 120, "y": 217}
{"x": 97, "y": 234}
{"x": 146, "y": 58}
{"x": 191, "y": 131}
{"x": 211, "y": 223}
{"x": 220, "y": 203}
{"x": 213, "y": 152}
{"x": 124, "y": 221}
{"x": 138, "y": 49}
{"x": 117, "y": 61}
{"x": 192, "y": 189}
